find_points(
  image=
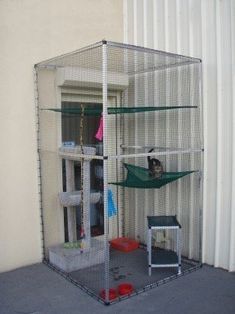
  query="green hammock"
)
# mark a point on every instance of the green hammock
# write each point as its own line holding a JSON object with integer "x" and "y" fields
{"x": 138, "y": 177}
{"x": 96, "y": 111}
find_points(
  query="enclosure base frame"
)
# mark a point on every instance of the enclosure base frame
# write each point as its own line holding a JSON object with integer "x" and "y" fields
{"x": 195, "y": 266}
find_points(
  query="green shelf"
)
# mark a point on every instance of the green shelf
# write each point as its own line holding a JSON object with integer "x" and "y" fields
{"x": 163, "y": 221}
{"x": 95, "y": 111}
{"x": 138, "y": 177}
{"x": 164, "y": 257}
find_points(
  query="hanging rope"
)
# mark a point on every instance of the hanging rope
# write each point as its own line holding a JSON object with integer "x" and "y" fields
{"x": 82, "y": 233}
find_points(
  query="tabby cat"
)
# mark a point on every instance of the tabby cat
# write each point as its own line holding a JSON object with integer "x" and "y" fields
{"x": 155, "y": 166}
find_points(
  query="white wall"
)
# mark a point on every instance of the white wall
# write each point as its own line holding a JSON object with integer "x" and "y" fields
{"x": 31, "y": 31}
{"x": 204, "y": 29}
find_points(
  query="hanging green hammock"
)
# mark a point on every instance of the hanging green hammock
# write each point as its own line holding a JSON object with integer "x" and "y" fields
{"x": 96, "y": 111}
{"x": 138, "y": 177}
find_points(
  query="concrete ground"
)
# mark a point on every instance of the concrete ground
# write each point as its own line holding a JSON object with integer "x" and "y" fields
{"x": 38, "y": 290}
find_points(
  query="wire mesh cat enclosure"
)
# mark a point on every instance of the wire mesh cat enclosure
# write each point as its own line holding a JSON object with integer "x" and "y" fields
{"x": 120, "y": 156}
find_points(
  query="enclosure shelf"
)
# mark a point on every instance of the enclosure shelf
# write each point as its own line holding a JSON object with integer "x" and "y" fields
{"x": 74, "y": 198}
{"x": 78, "y": 152}
{"x": 78, "y": 157}
{"x": 163, "y": 221}
{"x": 138, "y": 177}
{"x": 158, "y": 257}
{"x": 116, "y": 110}
{"x": 78, "y": 149}
{"x": 73, "y": 259}
{"x": 164, "y": 257}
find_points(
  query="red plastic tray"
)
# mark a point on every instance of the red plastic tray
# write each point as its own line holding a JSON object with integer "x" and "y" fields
{"x": 124, "y": 244}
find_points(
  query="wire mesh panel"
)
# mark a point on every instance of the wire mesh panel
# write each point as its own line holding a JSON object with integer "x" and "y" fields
{"x": 120, "y": 141}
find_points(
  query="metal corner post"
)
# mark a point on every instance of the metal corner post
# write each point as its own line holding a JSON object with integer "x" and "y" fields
{"x": 105, "y": 169}
{"x": 36, "y": 98}
{"x": 201, "y": 176}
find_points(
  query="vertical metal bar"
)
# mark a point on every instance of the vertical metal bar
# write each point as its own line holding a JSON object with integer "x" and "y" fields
{"x": 179, "y": 249}
{"x": 177, "y": 241}
{"x": 148, "y": 196}
{"x": 86, "y": 202}
{"x": 200, "y": 244}
{"x": 123, "y": 201}
{"x": 167, "y": 12}
{"x": 71, "y": 210}
{"x": 36, "y": 95}
{"x": 125, "y": 138}
{"x": 150, "y": 251}
{"x": 180, "y": 47}
{"x": 156, "y": 96}
{"x": 117, "y": 145}
{"x": 191, "y": 247}
{"x": 136, "y": 124}
{"x": 201, "y": 178}
{"x": 105, "y": 165}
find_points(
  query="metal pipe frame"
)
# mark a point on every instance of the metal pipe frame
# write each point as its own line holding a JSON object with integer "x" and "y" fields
{"x": 149, "y": 50}
{"x": 105, "y": 169}
{"x": 39, "y": 175}
{"x": 164, "y": 265}
{"x": 162, "y": 67}
{"x": 46, "y": 63}
{"x": 78, "y": 157}
{"x": 175, "y": 152}
{"x": 186, "y": 60}
{"x": 152, "y": 146}
{"x": 178, "y": 237}
{"x": 164, "y": 228}
{"x": 201, "y": 177}
{"x": 150, "y": 251}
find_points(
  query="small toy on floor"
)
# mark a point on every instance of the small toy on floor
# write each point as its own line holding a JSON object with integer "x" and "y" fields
{"x": 73, "y": 245}
{"x": 123, "y": 289}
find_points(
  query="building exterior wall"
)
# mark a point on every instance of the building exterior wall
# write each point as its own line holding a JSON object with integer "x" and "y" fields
{"x": 32, "y": 31}
{"x": 204, "y": 29}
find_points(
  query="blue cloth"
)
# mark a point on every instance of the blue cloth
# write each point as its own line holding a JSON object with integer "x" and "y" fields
{"x": 112, "y": 210}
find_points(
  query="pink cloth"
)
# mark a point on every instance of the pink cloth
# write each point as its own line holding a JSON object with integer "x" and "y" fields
{"x": 99, "y": 133}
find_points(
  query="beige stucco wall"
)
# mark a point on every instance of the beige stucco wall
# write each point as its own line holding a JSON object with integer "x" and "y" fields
{"x": 31, "y": 31}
